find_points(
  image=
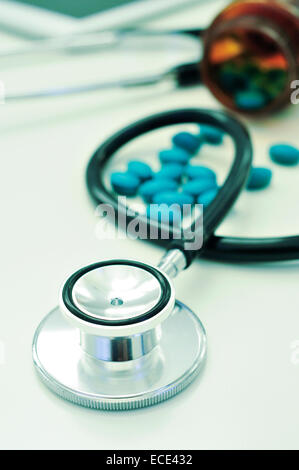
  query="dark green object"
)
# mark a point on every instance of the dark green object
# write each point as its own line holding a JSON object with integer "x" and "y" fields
{"x": 259, "y": 178}
{"x": 76, "y": 8}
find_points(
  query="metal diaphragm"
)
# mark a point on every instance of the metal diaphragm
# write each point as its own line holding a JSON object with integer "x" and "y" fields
{"x": 118, "y": 340}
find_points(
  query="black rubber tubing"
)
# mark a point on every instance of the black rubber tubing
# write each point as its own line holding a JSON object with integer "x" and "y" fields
{"x": 232, "y": 249}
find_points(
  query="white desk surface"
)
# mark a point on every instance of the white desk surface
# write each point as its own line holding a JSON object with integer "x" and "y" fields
{"x": 247, "y": 396}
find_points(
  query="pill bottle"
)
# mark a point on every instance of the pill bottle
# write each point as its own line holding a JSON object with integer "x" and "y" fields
{"x": 251, "y": 55}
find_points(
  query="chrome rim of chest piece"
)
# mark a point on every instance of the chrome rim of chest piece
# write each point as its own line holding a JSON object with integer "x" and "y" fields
{"x": 118, "y": 340}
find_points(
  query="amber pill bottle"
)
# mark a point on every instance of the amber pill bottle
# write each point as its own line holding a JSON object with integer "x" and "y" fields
{"x": 251, "y": 55}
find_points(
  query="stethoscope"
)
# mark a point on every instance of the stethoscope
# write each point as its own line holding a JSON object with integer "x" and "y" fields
{"x": 220, "y": 248}
{"x": 232, "y": 249}
{"x": 119, "y": 339}
{"x": 182, "y": 75}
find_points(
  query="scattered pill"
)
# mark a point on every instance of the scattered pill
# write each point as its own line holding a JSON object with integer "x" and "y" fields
{"x": 150, "y": 188}
{"x": 210, "y": 134}
{"x": 284, "y": 154}
{"x": 207, "y": 197}
{"x": 175, "y": 155}
{"x": 250, "y": 100}
{"x": 200, "y": 171}
{"x": 198, "y": 186}
{"x": 125, "y": 184}
{"x": 259, "y": 178}
{"x": 187, "y": 141}
{"x": 173, "y": 197}
{"x": 140, "y": 169}
{"x": 170, "y": 171}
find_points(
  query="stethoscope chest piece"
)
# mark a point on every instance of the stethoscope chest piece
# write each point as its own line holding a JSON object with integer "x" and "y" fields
{"x": 118, "y": 340}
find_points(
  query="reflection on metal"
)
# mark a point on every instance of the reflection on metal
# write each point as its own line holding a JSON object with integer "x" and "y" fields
{"x": 99, "y": 361}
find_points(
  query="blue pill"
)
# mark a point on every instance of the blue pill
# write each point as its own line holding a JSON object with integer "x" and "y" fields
{"x": 284, "y": 154}
{"x": 173, "y": 197}
{"x": 150, "y": 188}
{"x": 200, "y": 172}
{"x": 259, "y": 178}
{"x": 170, "y": 171}
{"x": 140, "y": 169}
{"x": 125, "y": 184}
{"x": 187, "y": 141}
{"x": 198, "y": 186}
{"x": 210, "y": 134}
{"x": 207, "y": 197}
{"x": 175, "y": 155}
{"x": 250, "y": 100}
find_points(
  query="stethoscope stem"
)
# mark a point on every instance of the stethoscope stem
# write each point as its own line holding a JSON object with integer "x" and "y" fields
{"x": 173, "y": 262}
{"x": 182, "y": 75}
{"x": 90, "y": 87}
